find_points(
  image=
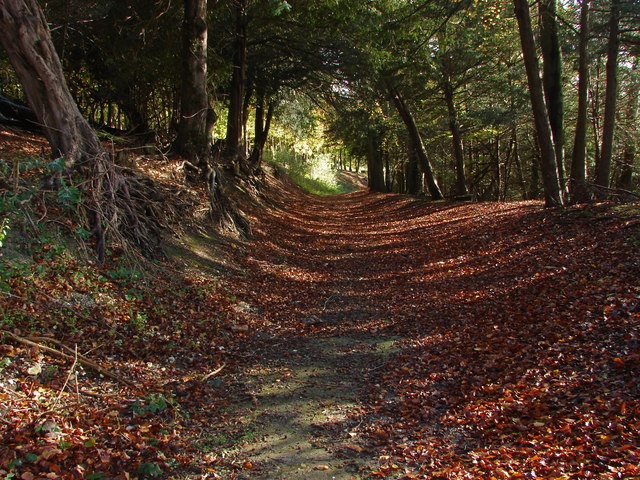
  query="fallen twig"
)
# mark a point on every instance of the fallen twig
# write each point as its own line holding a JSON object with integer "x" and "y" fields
{"x": 71, "y": 372}
{"x": 215, "y": 372}
{"x": 33, "y": 342}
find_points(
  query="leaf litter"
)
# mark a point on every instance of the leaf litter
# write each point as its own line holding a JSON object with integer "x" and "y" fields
{"x": 358, "y": 336}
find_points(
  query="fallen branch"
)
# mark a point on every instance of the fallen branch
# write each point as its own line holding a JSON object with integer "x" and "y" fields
{"x": 33, "y": 342}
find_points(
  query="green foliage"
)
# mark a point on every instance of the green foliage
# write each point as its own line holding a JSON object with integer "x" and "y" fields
{"x": 316, "y": 174}
{"x": 153, "y": 403}
{"x": 138, "y": 322}
{"x": 4, "y": 229}
{"x": 149, "y": 469}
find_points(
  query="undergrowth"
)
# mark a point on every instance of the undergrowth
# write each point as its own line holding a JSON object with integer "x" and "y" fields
{"x": 87, "y": 350}
{"x": 316, "y": 175}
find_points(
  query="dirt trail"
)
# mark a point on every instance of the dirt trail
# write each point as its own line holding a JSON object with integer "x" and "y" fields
{"x": 382, "y": 333}
{"x": 318, "y": 339}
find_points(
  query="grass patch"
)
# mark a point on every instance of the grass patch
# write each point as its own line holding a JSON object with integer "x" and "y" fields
{"x": 314, "y": 174}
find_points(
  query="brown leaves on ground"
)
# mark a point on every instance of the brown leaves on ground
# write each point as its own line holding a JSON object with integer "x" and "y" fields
{"x": 521, "y": 352}
{"x": 518, "y": 342}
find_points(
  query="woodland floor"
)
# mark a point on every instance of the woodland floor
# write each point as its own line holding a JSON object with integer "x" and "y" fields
{"x": 356, "y": 336}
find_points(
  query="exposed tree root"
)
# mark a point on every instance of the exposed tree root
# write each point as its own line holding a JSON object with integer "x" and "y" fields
{"x": 223, "y": 209}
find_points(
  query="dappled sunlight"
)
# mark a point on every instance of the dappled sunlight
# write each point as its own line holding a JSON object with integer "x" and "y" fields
{"x": 503, "y": 318}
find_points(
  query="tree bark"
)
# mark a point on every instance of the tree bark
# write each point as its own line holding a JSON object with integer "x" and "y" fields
{"x": 456, "y": 136}
{"x": 552, "y": 191}
{"x": 603, "y": 168}
{"x": 417, "y": 143}
{"x": 579, "y": 157}
{"x": 412, "y": 176}
{"x": 25, "y": 35}
{"x": 262, "y": 127}
{"x": 625, "y": 181}
{"x": 516, "y": 156}
{"x": 552, "y": 79}
{"x": 195, "y": 113}
{"x": 238, "y": 78}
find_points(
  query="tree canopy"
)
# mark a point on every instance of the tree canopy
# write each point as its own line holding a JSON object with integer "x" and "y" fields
{"x": 457, "y": 68}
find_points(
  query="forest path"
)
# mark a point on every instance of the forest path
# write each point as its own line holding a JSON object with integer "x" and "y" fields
{"x": 318, "y": 338}
{"x": 383, "y": 335}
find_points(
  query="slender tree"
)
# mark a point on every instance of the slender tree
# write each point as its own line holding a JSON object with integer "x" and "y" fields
{"x": 603, "y": 167}
{"x": 579, "y": 161}
{"x": 552, "y": 191}
{"x": 416, "y": 141}
{"x": 552, "y": 79}
{"x": 629, "y": 153}
{"x": 456, "y": 136}
{"x": 262, "y": 127}
{"x": 238, "y": 79}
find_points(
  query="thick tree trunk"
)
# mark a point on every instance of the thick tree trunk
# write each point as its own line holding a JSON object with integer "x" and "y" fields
{"x": 456, "y": 136}
{"x": 238, "y": 78}
{"x": 195, "y": 114}
{"x": 579, "y": 158}
{"x": 552, "y": 191}
{"x": 25, "y": 35}
{"x": 603, "y": 167}
{"x": 552, "y": 79}
{"x": 417, "y": 143}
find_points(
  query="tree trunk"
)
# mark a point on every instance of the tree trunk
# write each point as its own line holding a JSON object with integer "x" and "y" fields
{"x": 552, "y": 191}
{"x": 552, "y": 79}
{"x": 417, "y": 143}
{"x": 603, "y": 168}
{"x": 374, "y": 163}
{"x": 579, "y": 158}
{"x": 387, "y": 171}
{"x": 594, "y": 93}
{"x": 262, "y": 126}
{"x": 629, "y": 153}
{"x": 497, "y": 164}
{"x": 516, "y": 156}
{"x": 412, "y": 176}
{"x": 25, "y": 35}
{"x": 195, "y": 112}
{"x": 236, "y": 95}
{"x": 456, "y": 137}
{"x": 245, "y": 117}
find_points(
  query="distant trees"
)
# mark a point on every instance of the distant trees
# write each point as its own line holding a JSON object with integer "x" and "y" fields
{"x": 578, "y": 175}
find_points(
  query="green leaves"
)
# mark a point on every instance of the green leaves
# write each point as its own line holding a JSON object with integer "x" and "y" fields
{"x": 280, "y": 7}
